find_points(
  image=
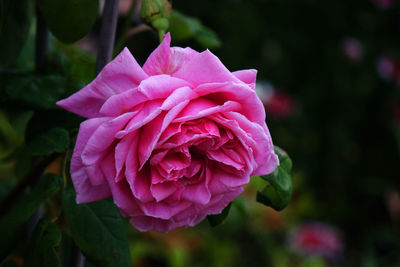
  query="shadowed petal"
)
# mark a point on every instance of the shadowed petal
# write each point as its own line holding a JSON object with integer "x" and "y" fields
{"x": 85, "y": 191}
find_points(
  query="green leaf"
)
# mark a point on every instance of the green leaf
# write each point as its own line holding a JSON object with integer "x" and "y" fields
{"x": 82, "y": 65}
{"x": 15, "y": 20}
{"x": 69, "y": 20}
{"x": 1, "y": 14}
{"x": 12, "y": 223}
{"x": 217, "y": 219}
{"x": 98, "y": 230}
{"x": 183, "y": 27}
{"x": 35, "y": 91}
{"x": 55, "y": 140}
{"x": 278, "y": 192}
{"x": 41, "y": 250}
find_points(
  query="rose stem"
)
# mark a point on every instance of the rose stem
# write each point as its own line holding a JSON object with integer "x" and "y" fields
{"x": 41, "y": 54}
{"x": 107, "y": 33}
{"x": 125, "y": 27}
{"x": 41, "y": 42}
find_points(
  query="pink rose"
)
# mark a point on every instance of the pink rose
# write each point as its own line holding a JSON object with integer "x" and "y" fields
{"x": 172, "y": 141}
{"x": 318, "y": 239}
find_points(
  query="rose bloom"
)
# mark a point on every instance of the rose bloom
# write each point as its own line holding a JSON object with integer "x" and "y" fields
{"x": 172, "y": 141}
{"x": 318, "y": 239}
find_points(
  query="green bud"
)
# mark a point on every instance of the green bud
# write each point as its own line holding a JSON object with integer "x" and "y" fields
{"x": 156, "y": 13}
{"x": 152, "y": 10}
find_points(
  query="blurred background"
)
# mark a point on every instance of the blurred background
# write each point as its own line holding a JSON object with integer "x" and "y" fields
{"x": 329, "y": 77}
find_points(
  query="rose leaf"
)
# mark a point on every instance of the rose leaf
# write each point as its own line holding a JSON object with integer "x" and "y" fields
{"x": 55, "y": 140}
{"x": 13, "y": 221}
{"x": 98, "y": 230}
{"x": 217, "y": 219}
{"x": 69, "y": 20}
{"x": 41, "y": 250}
{"x": 15, "y": 20}
{"x": 278, "y": 192}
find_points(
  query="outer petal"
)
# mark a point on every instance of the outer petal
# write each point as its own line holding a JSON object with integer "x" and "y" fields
{"x": 99, "y": 143}
{"x": 121, "y": 194}
{"x": 145, "y": 223}
{"x": 263, "y": 152}
{"x": 119, "y": 75}
{"x": 247, "y": 76}
{"x": 205, "y": 68}
{"x": 85, "y": 190}
{"x": 167, "y": 60}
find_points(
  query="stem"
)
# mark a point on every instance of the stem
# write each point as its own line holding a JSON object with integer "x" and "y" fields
{"x": 128, "y": 34}
{"x": 107, "y": 33}
{"x": 29, "y": 180}
{"x": 41, "y": 42}
{"x": 128, "y": 20}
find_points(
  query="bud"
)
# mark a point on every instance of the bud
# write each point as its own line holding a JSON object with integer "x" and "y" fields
{"x": 157, "y": 14}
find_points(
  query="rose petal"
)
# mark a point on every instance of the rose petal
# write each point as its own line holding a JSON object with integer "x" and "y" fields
{"x": 197, "y": 193}
{"x": 167, "y": 60}
{"x": 263, "y": 152}
{"x": 152, "y": 131}
{"x": 161, "y": 191}
{"x": 99, "y": 143}
{"x": 144, "y": 223}
{"x": 155, "y": 87}
{"x": 251, "y": 106}
{"x": 85, "y": 191}
{"x": 247, "y": 76}
{"x": 119, "y": 75}
{"x": 200, "y": 108}
{"x": 120, "y": 191}
{"x": 146, "y": 113}
{"x": 162, "y": 210}
{"x": 205, "y": 68}
{"x": 121, "y": 154}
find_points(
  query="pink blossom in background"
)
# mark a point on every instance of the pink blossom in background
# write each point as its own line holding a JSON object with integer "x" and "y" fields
{"x": 172, "y": 141}
{"x": 318, "y": 239}
{"x": 389, "y": 69}
{"x": 278, "y": 105}
{"x": 386, "y": 67}
{"x": 353, "y": 49}
{"x": 384, "y": 4}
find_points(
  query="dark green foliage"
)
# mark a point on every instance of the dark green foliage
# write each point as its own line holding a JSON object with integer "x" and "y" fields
{"x": 56, "y": 140}
{"x": 69, "y": 20}
{"x": 217, "y": 219}
{"x": 41, "y": 249}
{"x": 15, "y": 20}
{"x": 278, "y": 192}
{"x": 12, "y": 223}
{"x": 32, "y": 90}
{"x": 98, "y": 230}
{"x": 183, "y": 27}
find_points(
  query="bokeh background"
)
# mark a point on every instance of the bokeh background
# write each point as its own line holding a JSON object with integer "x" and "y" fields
{"x": 329, "y": 77}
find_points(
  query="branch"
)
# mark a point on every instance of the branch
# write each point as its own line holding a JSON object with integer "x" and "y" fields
{"x": 107, "y": 33}
{"x": 41, "y": 42}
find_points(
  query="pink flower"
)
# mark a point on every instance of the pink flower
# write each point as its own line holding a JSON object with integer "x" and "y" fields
{"x": 384, "y": 4}
{"x": 318, "y": 239}
{"x": 387, "y": 67}
{"x": 279, "y": 105}
{"x": 172, "y": 141}
{"x": 353, "y": 49}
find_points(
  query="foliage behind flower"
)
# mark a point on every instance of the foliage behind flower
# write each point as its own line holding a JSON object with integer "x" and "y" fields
{"x": 172, "y": 141}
